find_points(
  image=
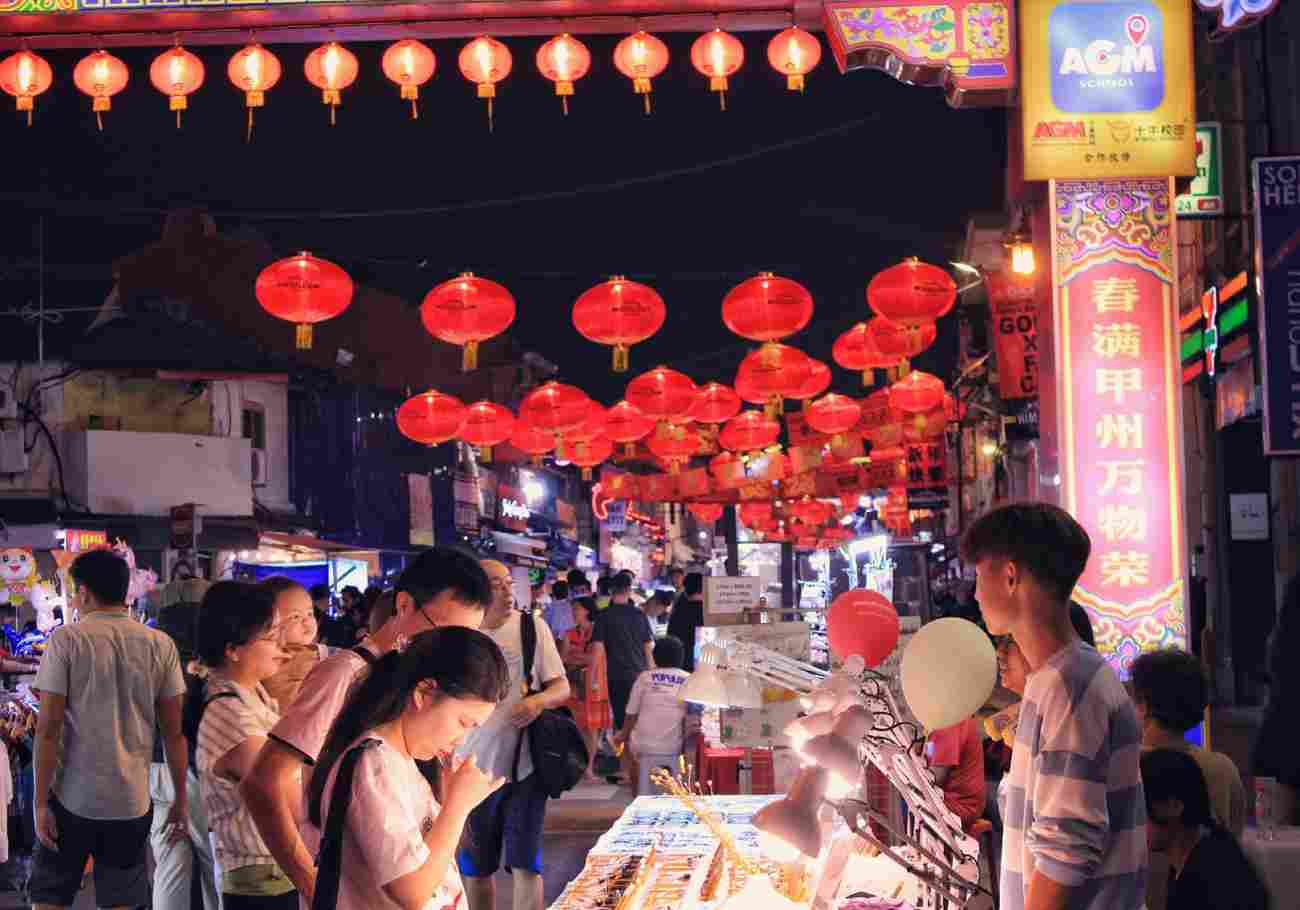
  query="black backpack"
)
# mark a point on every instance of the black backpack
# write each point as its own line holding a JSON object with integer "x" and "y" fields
{"x": 196, "y": 702}
{"x": 554, "y": 740}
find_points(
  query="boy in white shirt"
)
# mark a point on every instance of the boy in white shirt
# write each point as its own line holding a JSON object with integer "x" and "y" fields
{"x": 654, "y": 727}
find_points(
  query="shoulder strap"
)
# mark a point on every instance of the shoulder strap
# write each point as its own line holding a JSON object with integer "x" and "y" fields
{"x": 365, "y": 654}
{"x": 528, "y": 639}
{"x": 329, "y": 865}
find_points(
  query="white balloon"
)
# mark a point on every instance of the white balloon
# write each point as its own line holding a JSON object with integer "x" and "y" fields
{"x": 948, "y": 672}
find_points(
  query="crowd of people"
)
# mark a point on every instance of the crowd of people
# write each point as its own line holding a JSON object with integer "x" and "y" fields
{"x": 266, "y": 769}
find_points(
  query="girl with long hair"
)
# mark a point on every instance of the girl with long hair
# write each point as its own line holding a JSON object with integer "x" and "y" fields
{"x": 389, "y": 836}
{"x": 239, "y": 643}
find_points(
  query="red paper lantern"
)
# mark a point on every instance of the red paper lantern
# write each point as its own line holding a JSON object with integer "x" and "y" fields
{"x": 555, "y": 407}
{"x": 864, "y": 623}
{"x": 465, "y": 311}
{"x": 749, "y": 431}
{"x": 896, "y": 343}
{"x": 775, "y": 371}
{"x": 486, "y": 425}
{"x": 811, "y": 511}
{"x": 25, "y": 75}
{"x": 916, "y": 393}
{"x": 717, "y": 54}
{"x": 662, "y": 394}
{"x": 303, "y": 290}
{"x": 101, "y": 76}
{"x": 485, "y": 61}
{"x": 431, "y": 417}
{"x": 564, "y": 60}
{"x": 625, "y": 423}
{"x": 856, "y": 350}
{"x": 705, "y": 511}
{"x": 767, "y": 308}
{"x": 589, "y": 453}
{"x": 331, "y": 68}
{"x": 592, "y": 425}
{"x": 912, "y": 294}
{"x": 715, "y": 403}
{"x": 747, "y": 391}
{"x": 410, "y": 64}
{"x": 531, "y": 440}
{"x": 926, "y": 426}
{"x": 177, "y": 74}
{"x": 641, "y": 57}
{"x": 675, "y": 443}
{"x": 254, "y": 70}
{"x": 794, "y": 53}
{"x": 755, "y": 514}
{"x": 818, "y": 381}
{"x": 833, "y": 414}
{"x": 722, "y": 465}
{"x": 621, "y": 313}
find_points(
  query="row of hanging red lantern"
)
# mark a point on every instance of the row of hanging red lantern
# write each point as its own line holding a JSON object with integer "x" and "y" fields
{"x": 409, "y": 63}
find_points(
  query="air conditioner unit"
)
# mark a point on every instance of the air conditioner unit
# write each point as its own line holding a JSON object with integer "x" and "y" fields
{"x": 261, "y": 467}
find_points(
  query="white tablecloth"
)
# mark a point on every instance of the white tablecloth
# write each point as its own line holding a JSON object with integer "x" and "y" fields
{"x": 1278, "y": 860}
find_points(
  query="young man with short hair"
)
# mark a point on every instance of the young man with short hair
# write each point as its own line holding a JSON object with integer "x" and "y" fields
{"x": 1075, "y": 815}
{"x": 1170, "y": 693}
{"x": 506, "y": 828}
{"x": 104, "y": 683}
{"x": 688, "y": 615}
{"x": 623, "y": 636}
{"x": 442, "y": 587}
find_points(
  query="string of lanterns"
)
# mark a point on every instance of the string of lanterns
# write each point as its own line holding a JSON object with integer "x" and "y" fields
{"x": 177, "y": 73}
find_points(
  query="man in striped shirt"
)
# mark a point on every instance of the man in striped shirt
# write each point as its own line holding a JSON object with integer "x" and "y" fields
{"x": 1074, "y": 812}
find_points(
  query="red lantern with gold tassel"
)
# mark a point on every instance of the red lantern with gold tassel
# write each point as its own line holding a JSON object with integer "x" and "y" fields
{"x": 833, "y": 415}
{"x": 177, "y": 74}
{"x": 624, "y": 423}
{"x": 896, "y": 344}
{"x": 410, "y": 64}
{"x": 485, "y": 61}
{"x": 912, "y": 294}
{"x": 254, "y": 70}
{"x": 592, "y": 425}
{"x": 532, "y": 440}
{"x": 431, "y": 417}
{"x": 794, "y": 53}
{"x": 718, "y": 55}
{"x": 715, "y": 403}
{"x": 589, "y": 453}
{"x": 705, "y": 511}
{"x": 749, "y": 431}
{"x": 856, "y": 350}
{"x": 811, "y": 511}
{"x": 620, "y": 313}
{"x": 487, "y": 424}
{"x": 775, "y": 371}
{"x": 555, "y": 407}
{"x": 641, "y": 57}
{"x": 916, "y": 393}
{"x": 675, "y": 443}
{"x": 25, "y": 75}
{"x": 662, "y": 394}
{"x": 101, "y": 76}
{"x": 767, "y": 308}
{"x": 331, "y": 68}
{"x": 303, "y": 290}
{"x": 818, "y": 381}
{"x": 564, "y": 60}
{"x": 465, "y": 311}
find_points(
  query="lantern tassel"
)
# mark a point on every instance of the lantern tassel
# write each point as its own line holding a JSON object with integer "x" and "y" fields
{"x": 586, "y": 473}
{"x": 302, "y": 336}
{"x": 99, "y": 120}
{"x": 178, "y": 118}
{"x": 469, "y": 357}
{"x": 722, "y": 100}
{"x": 29, "y": 116}
{"x": 485, "y": 454}
{"x": 564, "y": 103}
{"x": 248, "y": 133}
{"x": 415, "y": 110}
{"x": 333, "y": 117}
{"x": 622, "y": 358}
{"x": 491, "y": 123}
{"x": 647, "y": 104}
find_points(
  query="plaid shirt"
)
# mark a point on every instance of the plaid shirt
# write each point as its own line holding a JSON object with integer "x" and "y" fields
{"x": 1075, "y": 809}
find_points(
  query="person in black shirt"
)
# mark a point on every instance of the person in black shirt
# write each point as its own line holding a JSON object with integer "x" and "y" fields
{"x": 624, "y": 635}
{"x": 1208, "y": 868}
{"x": 688, "y": 615}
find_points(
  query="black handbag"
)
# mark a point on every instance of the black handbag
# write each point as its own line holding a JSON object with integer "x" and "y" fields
{"x": 554, "y": 740}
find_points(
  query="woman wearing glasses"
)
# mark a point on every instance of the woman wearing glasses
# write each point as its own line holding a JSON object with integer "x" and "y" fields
{"x": 239, "y": 641}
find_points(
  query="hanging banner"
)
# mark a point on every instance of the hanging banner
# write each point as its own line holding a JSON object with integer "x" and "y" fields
{"x": 965, "y": 46}
{"x": 926, "y": 464}
{"x": 420, "y": 496}
{"x": 1014, "y": 306}
{"x": 1115, "y": 299}
{"x": 1108, "y": 88}
{"x": 1277, "y": 263}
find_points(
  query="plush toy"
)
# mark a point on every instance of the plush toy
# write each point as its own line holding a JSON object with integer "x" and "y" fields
{"x": 17, "y": 575}
{"x": 142, "y": 580}
{"x": 45, "y": 600}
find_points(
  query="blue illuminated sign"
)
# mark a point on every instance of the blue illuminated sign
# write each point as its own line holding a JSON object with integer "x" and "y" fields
{"x": 1107, "y": 58}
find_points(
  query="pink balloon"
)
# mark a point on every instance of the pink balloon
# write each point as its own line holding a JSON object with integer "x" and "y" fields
{"x": 864, "y": 623}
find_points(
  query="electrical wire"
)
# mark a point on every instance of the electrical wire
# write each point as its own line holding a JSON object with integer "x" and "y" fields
{"x": 58, "y": 460}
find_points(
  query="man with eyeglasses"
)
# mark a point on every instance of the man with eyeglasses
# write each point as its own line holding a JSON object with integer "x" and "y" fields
{"x": 507, "y": 826}
{"x": 442, "y": 587}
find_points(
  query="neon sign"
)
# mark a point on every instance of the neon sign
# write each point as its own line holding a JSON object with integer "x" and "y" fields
{"x": 1238, "y": 13}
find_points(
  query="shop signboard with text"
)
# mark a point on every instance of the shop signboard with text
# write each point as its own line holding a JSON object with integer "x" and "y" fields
{"x": 1120, "y": 424}
{"x": 1204, "y": 197}
{"x": 1013, "y": 306}
{"x": 1277, "y": 263}
{"x": 1108, "y": 89}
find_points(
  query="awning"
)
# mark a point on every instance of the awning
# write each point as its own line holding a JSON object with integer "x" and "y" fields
{"x": 304, "y": 542}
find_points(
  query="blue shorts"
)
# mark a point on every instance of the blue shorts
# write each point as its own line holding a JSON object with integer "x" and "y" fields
{"x": 511, "y": 819}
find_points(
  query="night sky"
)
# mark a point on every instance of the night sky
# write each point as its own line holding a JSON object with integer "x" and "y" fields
{"x": 827, "y": 187}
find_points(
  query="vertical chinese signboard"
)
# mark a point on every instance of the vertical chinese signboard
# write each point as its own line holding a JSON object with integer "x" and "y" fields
{"x": 1115, "y": 308}
{"x": 1277, "y": 263}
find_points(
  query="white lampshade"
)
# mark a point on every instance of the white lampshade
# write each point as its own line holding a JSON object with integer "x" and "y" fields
{"x": 706, "y": 686}
{"x": 743, "y": 690}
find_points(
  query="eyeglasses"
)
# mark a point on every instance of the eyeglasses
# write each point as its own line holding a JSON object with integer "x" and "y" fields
{"x": 427, "y": 618}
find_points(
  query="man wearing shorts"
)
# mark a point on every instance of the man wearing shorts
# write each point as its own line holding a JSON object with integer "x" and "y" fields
{"x": 103, "y": 684}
